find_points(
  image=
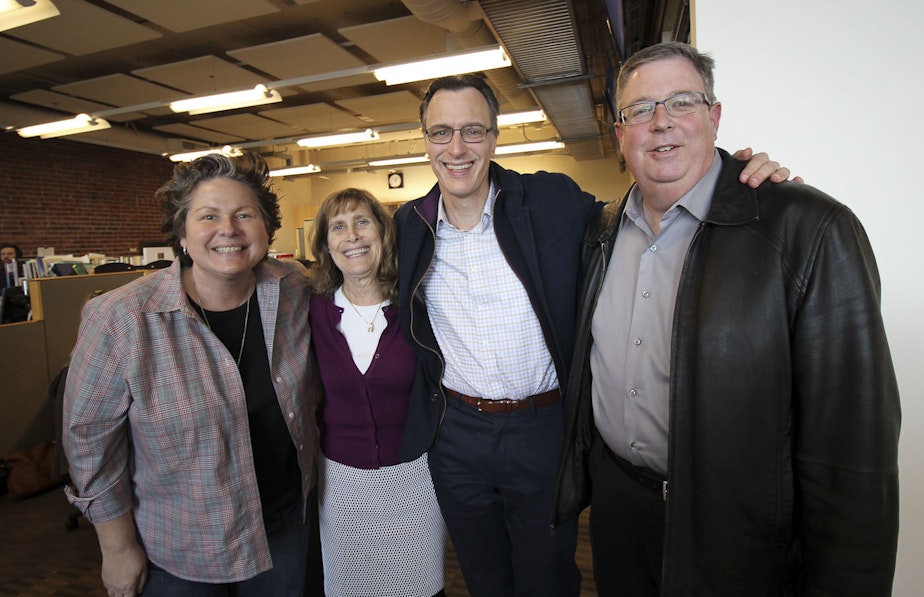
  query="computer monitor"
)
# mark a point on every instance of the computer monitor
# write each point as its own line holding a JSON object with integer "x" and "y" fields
{"x": 151, "y": 254}
{"x": 14, "y": 305}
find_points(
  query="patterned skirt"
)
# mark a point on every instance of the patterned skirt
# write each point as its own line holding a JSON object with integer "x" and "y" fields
{"x": 382, "y": 534}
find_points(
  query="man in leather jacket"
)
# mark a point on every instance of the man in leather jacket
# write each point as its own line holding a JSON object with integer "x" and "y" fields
{"x": 732, "y": 415}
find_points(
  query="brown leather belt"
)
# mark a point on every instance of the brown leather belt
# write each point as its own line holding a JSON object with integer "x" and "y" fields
{"x": 505, "y": 405}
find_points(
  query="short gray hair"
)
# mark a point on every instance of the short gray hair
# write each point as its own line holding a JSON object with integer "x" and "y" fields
{"x": 702, "y": 62}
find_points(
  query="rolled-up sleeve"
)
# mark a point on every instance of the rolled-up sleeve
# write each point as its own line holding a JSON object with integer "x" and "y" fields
{"x": 95, "y": 434}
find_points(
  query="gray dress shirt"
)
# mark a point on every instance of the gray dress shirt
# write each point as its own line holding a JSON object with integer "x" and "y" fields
{"x": 632, "y": 325}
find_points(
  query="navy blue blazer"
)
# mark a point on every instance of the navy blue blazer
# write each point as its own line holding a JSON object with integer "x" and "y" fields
{"x": 540, "y": 221}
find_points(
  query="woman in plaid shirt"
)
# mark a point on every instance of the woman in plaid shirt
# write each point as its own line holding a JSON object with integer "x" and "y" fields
{"x": 189, "y": 420}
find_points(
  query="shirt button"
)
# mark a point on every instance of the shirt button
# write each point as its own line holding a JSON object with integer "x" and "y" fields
{"x": 637, "y": 341}
{"x": 278, "y": 379}
{"x": 301, "y": 447}
{"x": 633, "y": 393}
{"x": 291, "y": 415}
{"x": 633, "y": 445}
{"x": 653, "y": 248}
{"x": 646, "y": 294}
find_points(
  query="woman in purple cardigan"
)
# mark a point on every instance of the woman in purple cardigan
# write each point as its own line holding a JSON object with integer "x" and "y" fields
{"x": 381, "y": 528}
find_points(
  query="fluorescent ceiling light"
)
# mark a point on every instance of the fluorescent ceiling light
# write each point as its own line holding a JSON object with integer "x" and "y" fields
{"x": 528, "y": 147}
{"x": 411, "y": 159}
{"x": 456, "y": 64}
{"x": 520, "y": 118}
{"x": 189, "y": 156}
{"x": 257, "y": 96}
{"x": 295, "y": 170}
{"x": 79, "y": 124}
{"x": 16, "y": 13}
{"x": 339, "y": 139}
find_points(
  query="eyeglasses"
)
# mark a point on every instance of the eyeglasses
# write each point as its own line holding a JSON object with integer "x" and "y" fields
{"x": 473, "y": 133}
{"x": 678, "y": 105}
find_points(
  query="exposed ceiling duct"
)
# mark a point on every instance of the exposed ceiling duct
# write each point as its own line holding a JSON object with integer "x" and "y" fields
{"x": 541, "y": 37}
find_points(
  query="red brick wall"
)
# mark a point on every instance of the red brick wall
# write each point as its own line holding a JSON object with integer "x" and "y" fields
{"x": 78, "y": 197}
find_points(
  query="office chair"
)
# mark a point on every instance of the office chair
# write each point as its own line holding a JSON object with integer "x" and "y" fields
{"x": 108, "y": 268}
{"x": 159, "y": 264}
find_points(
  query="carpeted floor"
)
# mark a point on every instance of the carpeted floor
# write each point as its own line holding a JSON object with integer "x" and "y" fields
{"x": 39, "y": 556}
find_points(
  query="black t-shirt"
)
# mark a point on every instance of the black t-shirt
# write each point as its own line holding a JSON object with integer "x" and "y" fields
{"x": 274, "y": 455}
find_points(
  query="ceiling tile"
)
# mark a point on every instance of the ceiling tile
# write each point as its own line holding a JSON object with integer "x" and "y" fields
{"x": 70, "y": 105}
{"x": 16, "y": 56}
{"x": 59, "y": 101}
{"x": 183, "y": 15}
{"x": 315, "y": 118}
{"x": 399, "y": 106}
{"x": 248, "y": 126}
{"x": 195, "y": 132}
{"x": 77, "y": 30}
{"x": 339, "y": 83}
{"x": 303, "y": 56}
{"x": 119, "y": 90}
{"x": 14, "y": 116}
{"x": 201, "y": 76}
{"x": 378, "y": 39}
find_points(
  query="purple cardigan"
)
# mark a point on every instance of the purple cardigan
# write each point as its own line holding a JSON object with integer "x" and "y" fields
{"x": 362, "y": 416}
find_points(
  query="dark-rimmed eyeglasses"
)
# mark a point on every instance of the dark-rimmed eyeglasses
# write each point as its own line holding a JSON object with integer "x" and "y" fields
{"x": 677, "y": 105}
{"x": 473, "y": 133}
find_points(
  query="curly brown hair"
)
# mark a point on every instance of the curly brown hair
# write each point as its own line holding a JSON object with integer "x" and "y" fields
{"x": 249, "y": 169}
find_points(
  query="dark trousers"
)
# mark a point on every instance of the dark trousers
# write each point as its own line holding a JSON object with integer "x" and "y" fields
{"x": 289, "y": 550}
{"x": 626, "y": 529}
{"x": 495, "y": 476}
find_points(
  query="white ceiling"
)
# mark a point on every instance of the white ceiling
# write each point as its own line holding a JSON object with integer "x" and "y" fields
{"x": 101, "y": 55}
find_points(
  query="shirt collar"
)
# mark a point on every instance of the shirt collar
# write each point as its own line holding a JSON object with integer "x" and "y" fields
{"x": 487, "y": 213}
{"x": 696, "y": 201}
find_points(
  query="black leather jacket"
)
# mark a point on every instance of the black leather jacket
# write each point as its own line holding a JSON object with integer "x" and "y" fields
{"x": 783, "y": 457}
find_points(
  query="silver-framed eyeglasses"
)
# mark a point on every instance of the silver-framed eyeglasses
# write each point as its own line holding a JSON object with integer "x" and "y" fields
{"x": 473, "y": 133}
{"x": 677, "y": 105}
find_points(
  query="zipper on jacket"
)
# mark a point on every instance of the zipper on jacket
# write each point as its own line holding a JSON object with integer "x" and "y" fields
{"x": 604, "y": 262}
{"x": 439, "y": 425}
{"x": 671, "y": 401}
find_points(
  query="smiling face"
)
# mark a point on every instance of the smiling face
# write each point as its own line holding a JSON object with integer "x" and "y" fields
{"x": 354, "y": 239}
{"x": 668, "y": 155}
{"x": 461, "y": 168}
{"x": 225, "y": 233}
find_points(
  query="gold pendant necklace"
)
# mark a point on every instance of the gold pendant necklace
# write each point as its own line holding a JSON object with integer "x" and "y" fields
{"x": 240, "y": 353}
{"x": 370, "y": 325}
